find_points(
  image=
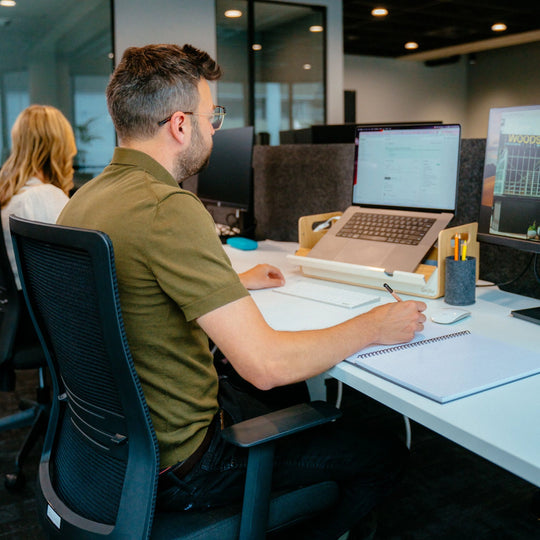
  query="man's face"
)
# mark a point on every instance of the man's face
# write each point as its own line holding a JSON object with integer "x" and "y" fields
{"x": 196, "y": 156}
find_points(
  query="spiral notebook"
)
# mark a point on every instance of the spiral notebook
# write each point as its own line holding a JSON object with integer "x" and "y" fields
{"x": 449, "y": 367}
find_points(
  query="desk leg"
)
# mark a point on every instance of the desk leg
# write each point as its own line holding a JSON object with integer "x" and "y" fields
{"x": 317, "y": 387}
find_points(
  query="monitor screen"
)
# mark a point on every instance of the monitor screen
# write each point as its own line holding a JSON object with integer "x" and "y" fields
{"x": 510, "y": 205}
{"x": 228, "y": 178}
{"x": 407, "y": 166}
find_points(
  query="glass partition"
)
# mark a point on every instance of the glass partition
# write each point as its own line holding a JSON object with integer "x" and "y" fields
{"x": 59, "y": 52}
{"x": 273, "y": 56}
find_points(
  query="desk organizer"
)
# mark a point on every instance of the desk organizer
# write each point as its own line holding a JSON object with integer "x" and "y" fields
{"x": 427, "y": 281}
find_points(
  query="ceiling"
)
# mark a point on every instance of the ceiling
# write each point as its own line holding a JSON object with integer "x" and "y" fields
{"x": 441, "y": 28}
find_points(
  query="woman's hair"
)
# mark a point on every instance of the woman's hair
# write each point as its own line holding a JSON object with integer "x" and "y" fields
{"x": 42, "y": 144}
{"x": 152, "y": 82}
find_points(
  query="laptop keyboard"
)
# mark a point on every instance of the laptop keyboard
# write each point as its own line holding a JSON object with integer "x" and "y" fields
{"x": 386, "y": 228}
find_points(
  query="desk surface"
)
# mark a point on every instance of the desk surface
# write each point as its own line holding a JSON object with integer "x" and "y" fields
{"x": 501, "y": 424}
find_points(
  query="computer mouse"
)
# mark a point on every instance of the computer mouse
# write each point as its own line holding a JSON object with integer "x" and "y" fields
{"x": 239, "y": 242}
{"x": 449, "y": 315}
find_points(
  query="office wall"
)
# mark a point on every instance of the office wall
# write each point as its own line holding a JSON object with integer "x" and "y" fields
{"x": 140, "y": 22}
{"x": 389, "y": 90}
{"x": 505, "y": 77}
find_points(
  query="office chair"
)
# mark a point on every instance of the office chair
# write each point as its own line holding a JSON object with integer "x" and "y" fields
{"x": 99, "y": 468}
{"x": 15, "y": 356}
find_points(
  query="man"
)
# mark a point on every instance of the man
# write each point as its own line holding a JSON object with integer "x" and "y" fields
{"x": 177, "y": 288}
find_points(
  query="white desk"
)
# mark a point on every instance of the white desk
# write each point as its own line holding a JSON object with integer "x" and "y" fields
{"x": 501, "y": 424}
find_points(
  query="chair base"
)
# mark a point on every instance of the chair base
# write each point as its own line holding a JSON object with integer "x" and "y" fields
{"x": 37, "y": 417}
{"x": 15, "y": 481}
{"x": 18, "y": 420}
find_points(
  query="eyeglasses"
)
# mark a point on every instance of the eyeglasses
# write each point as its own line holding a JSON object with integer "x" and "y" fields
{"x": 216, "y": 119}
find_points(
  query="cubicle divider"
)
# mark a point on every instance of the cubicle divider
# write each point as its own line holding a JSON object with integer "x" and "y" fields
{"x": 291, "y": 181}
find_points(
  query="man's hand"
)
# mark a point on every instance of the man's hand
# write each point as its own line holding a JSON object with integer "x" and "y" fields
{"x": 262, "y": 276}
{"x": 396, "y": 322}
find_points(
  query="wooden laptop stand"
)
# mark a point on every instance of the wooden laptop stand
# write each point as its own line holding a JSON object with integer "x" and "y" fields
{"x": 427, "y": 281}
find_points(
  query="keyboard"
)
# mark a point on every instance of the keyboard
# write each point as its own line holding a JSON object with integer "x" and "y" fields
{"x": 327, "y": 294}
{"x": 387, "y": 228}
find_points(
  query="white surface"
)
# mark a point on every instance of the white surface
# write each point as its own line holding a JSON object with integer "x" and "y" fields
{"x": 501, "y": 424}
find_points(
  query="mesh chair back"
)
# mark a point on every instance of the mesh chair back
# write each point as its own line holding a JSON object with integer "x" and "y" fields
{"x": 9, "y": 305}
{"x": 99, "y": 466}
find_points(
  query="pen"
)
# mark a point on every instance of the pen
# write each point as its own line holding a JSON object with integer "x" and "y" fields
{"x": 391, "y": 291}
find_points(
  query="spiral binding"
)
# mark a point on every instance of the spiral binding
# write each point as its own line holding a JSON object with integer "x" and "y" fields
{"x": 413, "y": 344}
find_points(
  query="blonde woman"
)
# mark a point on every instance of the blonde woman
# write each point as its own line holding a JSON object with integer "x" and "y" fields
{"x": 36, "y": 178}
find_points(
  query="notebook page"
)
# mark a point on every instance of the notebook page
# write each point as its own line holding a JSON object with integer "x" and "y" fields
{"x": 447, "y": 369}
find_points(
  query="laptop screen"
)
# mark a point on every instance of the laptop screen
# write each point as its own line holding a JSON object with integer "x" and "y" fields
{"x": 407, "y": 167}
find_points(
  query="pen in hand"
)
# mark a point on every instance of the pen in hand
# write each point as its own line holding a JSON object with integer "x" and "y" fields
{"x": 391, "y": 291}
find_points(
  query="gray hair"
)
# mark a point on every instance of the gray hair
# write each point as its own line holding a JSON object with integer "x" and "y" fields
{"x": 154, "y": 81}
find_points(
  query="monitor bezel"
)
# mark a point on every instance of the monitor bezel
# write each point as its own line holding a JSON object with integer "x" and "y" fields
{"x": 521, "y": 244}
{"x": 406, "y": 125}
{"x": 245, "y": 206}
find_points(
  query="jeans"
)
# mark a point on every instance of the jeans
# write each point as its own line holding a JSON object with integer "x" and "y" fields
{"x": 365, "y": 465}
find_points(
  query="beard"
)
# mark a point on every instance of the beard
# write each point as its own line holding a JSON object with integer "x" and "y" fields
{"x": 195, "y": 158}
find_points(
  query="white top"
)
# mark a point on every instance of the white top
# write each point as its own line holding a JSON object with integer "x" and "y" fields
{"x": 37, "y": 201}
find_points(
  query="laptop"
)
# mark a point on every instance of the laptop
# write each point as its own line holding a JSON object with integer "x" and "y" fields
{"x": 404, "y": 193}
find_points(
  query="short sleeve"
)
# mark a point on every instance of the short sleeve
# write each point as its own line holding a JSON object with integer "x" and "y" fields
{"x": 187, "y": 258}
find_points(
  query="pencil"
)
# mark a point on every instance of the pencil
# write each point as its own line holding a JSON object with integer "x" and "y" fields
{"x": 391, "y": 291}
{"x": 465, "y": 238}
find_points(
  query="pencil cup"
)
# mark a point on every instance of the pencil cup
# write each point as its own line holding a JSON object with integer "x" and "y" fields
{"x": 460, "y": 287}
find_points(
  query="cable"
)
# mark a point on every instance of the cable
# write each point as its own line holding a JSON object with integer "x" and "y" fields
{"x": 535, "y": 269}
{"x": 517, "y": 277}
{"x": 339, "y": 394}
{"x": 408, "y": 432}
{"x": 326, "y": 224}
{"x": 408, "y": 435}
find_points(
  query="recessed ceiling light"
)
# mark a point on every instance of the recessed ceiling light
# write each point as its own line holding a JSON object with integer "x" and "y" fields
{"x": 307, "y": 66}
{"x": 411, "y": 45}
{"x": 499, "y": 27}
{"x": 379, "y": 12}
{"x": 233, "y": 13}
{"x": 8, "y": 3}
{"x": 256, "y": 46}
{"x": 316, "y": 28}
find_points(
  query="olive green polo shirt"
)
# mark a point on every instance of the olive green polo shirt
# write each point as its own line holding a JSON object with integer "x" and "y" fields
{"x": 171, "y": 269}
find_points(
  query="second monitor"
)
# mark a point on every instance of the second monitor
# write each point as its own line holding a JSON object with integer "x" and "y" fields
{"x": 227, "y": 181}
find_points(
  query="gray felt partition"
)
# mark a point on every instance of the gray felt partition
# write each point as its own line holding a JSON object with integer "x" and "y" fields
{"x": 295, "y": 180}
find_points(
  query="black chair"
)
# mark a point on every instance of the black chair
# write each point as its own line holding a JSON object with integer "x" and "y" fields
{"x": 99, "y": 468}
{"x": 16, "y": 354}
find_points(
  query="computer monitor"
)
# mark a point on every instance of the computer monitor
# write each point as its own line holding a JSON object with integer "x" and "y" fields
{"x": 510, "y": 204}
{"x": 227, "y": 181}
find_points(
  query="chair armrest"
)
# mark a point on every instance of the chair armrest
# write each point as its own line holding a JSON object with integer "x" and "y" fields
{"x": 280, "y": 423}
